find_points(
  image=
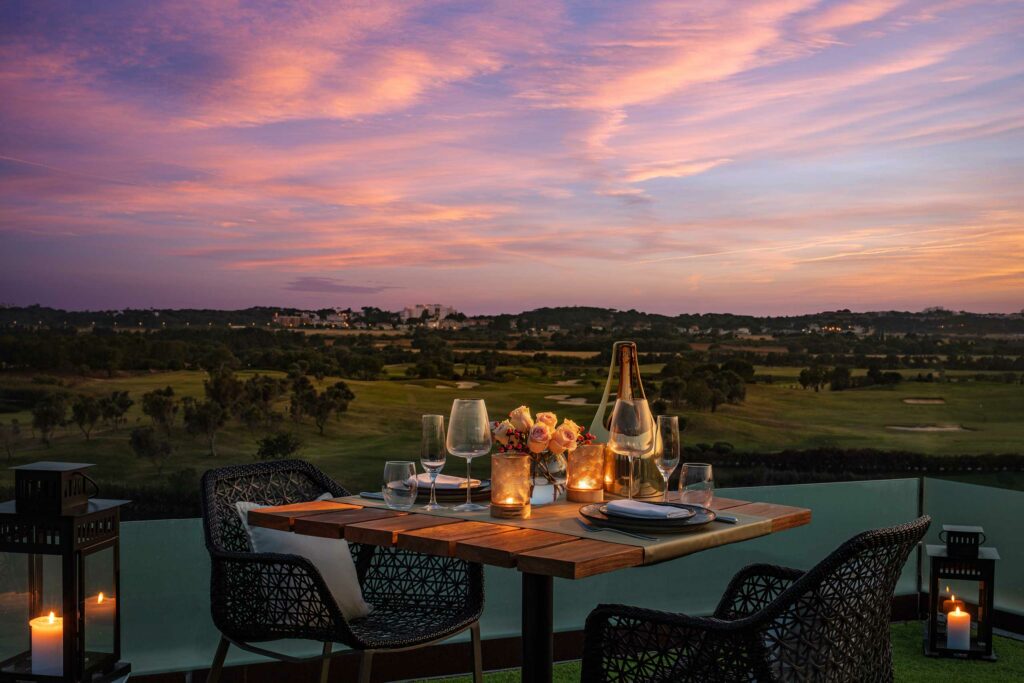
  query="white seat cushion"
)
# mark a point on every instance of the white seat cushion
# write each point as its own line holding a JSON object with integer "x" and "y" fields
{"x": 331, "y": 557}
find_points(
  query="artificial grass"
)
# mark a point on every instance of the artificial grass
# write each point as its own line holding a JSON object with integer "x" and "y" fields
{"x": 910, "y": 663}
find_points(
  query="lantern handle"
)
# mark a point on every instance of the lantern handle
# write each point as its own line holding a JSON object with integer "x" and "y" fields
{"x": 95, "y": 486}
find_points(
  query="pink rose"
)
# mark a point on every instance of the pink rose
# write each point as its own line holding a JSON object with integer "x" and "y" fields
{"x": 540, "y": 436}
{"x": 562, "y": 440}
{"x": 550, "y": 419}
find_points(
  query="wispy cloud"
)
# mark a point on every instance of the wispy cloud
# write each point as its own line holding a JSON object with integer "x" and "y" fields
{"x": 724, "y": 155}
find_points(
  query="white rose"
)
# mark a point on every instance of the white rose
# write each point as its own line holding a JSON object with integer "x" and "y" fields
{"x": 540, "y": 436}
{"x": 520, "y": 419}
{"x": 501, "y": 431}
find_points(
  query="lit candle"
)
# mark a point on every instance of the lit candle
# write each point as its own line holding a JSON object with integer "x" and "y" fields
{"x": 952, "y": 604}
{"x": 48, "y": 645}
{"x": 99, "y": 621}
{"x": 958, "y": 630}
{"x": 586, "y": 467}
{"x": 510, "y": 485}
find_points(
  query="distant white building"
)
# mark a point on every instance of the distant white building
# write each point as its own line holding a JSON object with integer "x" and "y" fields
{"x": 433, "y": 311}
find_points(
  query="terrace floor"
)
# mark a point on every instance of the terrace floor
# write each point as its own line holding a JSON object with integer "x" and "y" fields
{"x": 911, "y": 665}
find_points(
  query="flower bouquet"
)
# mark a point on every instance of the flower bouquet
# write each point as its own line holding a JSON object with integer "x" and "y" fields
{"x": 545, "y": 440}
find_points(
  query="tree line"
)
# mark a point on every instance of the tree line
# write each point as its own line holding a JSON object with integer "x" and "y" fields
{"x": 252, "y": 403}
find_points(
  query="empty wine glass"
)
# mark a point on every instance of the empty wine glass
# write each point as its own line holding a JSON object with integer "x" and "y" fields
{"x": 667, "y": 458}
{"x": 469, "y": 436}
{"x": 432, "y": 454}
{"x": 631, "y": 432}
{"x": 399, "y": 487}
{"x": 696, "y": 484}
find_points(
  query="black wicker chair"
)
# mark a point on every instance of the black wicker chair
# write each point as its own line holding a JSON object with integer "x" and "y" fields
{"x": 258, "y": 597}
{"x": 830, "y": 623}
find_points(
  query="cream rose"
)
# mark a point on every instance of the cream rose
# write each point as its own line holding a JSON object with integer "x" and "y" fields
{"x": 520, "y": 419}
{"x": 501, "y": 430}
{"x": 562, "y": 440}
{"x": 550, "y": 419}
{"x": 540, "y": 436}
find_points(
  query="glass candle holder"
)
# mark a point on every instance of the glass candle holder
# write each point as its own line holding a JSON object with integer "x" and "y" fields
{"x": 510, "y": 485}
{"x": 585, "y": 483}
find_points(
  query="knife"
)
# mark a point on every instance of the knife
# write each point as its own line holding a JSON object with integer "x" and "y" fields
{"x": 372, "y": 495}
{"x": 727, "y": 519}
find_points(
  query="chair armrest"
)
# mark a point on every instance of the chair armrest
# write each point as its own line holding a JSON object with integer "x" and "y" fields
{"x": 624, "y": 643}
{"x": 267, "y": 596}
{"x": 753, "y": 588}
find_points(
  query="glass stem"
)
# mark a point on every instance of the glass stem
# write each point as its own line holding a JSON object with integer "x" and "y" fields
{"x": 469, "y": 480}
{"x": 629, "y": 492}
{"x": 433, "y": 480}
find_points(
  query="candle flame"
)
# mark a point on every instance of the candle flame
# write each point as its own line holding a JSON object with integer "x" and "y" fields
{"x": 99, "y": 598}
{"x": 947, "y": 589}
{"x": 957, "y": 611}
{"x": 52, "y": 617}
{"x": 510, "y": 501}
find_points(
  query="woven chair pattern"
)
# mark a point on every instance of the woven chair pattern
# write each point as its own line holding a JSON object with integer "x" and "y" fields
{"x": 262, "y": 596}
{"x": 830, "y": 623}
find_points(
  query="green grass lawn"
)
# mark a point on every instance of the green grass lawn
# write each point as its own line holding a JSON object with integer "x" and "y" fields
{"x": 910, "y": 664}
{"x": 383, "y": 422}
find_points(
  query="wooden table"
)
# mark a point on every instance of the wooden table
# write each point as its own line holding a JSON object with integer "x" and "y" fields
{"x": 538, "y": 554}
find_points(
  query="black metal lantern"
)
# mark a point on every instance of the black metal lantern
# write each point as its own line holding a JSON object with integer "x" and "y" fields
{"x": 960, "y": 620}
{"x": 60, "y": 612}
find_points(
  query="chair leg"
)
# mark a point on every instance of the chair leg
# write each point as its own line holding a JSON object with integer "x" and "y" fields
{"x": 478, "y": 660}
{"x": 325, "y": 663}
{"x": 366, "y": 666}
{"x": 218, "y": 660}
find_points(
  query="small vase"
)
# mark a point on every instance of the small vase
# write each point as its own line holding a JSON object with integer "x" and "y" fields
{"x": 546, "y": 491}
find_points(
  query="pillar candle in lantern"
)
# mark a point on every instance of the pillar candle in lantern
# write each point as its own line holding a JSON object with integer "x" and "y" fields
{"x": 48, "y": 645}
{"x": 958, "y": 630}
{"x": 951, "y": 604}
{"x": 510, "y": 485}
{"x": 585, "y": 483}
{"x": 99, "y": 621}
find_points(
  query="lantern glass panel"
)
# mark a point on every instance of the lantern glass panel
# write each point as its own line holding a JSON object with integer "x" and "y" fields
{"x": 100, "y": 602}
{"x": 14, "y": 605}
{"x": 30, "y": 588}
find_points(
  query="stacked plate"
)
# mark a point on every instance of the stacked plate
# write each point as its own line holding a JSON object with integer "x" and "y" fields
{"x": 646, "y": 518}
{"x": 451, "y": 489}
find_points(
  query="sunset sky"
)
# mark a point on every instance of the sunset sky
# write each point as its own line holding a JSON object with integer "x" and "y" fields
{"x": 752, "y": 157}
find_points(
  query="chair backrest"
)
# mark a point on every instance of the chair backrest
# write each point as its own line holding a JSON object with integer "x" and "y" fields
{"x": 273, "y": 483}
{"x": 832, "y": 624}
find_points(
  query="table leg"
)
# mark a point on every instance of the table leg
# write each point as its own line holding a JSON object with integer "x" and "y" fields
{"x": 538, "y": 628}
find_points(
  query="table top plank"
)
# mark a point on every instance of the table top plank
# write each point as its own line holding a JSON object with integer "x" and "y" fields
{"x": 441, "y": 540}
{"x": 580, "y": 558}
{"x": 782, "y": 516}
{"x": 282, "y": 517}
{"x": 385, "y": 531}
{"x": 332, "y": 524}
{"x": 502, "y": 550}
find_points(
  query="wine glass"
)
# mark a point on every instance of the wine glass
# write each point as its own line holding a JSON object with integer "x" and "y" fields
{"x": 697, "y": 484}
{"x": 432, "y": 454}
{"x": 631, "y": 432}
{"x": 667, "y": 458}
{"x": 469, "y": 436}
{"x": 399, "y": 487}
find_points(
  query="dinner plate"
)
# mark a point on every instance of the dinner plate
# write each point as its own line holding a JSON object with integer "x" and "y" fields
{"x": 477, "y": 493}
{"x": 685, "y": 513}
{"x": 701, "y": 516}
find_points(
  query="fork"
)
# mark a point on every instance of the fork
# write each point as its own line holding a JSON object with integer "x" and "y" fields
{"x": 595, "y": 529}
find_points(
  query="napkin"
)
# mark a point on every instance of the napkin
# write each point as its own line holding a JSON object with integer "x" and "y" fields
{"x": 634, "y": 508}
{"x": 444, "y": 481}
